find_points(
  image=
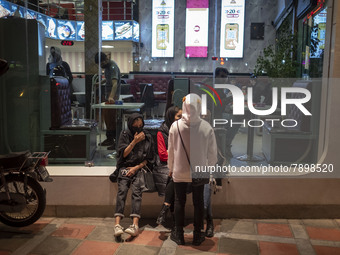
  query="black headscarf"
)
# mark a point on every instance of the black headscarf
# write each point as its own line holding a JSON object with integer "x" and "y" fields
{"x": 130, "y": 121}
{"x": 169, "y": 119}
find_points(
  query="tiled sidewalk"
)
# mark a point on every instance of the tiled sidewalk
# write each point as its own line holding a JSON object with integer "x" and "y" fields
{"x": 83, "y": 236}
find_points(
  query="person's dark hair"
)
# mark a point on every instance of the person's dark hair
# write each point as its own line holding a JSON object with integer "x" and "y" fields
{"x": 220, "y": 70}
{"x": 103, "y": 57}
{"x": 170, "y": 115}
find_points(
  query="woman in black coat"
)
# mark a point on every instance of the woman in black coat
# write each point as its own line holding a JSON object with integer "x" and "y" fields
{"x": 135, "y": 150}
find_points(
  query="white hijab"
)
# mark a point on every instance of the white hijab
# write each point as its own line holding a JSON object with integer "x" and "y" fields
{"x": 191, "y": 109}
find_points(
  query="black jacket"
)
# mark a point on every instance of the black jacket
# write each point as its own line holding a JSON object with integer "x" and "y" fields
{"x": 143, "y": 150}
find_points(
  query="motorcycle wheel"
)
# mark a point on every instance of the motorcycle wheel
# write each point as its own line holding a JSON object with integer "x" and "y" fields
{"x": 35, "y": 201}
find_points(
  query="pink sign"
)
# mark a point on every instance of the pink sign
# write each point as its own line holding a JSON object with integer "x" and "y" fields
{"x": 196, "y": 31}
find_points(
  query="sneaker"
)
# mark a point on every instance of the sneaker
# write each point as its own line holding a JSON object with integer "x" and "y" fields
{"x": 132, "y": 230}
{"x": 118, "y": 230}
{"x": 107, "y": 142}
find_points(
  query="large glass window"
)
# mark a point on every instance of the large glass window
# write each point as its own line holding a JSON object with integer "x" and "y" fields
{"x": 33, "y": 36}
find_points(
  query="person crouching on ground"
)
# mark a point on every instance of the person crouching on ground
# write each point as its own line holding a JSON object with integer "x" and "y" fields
{"x": 135, "y": 150}
{"x": 191, "y": 143}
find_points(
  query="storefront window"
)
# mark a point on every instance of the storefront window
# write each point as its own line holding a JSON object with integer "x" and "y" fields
{"x": 26, "y": 99}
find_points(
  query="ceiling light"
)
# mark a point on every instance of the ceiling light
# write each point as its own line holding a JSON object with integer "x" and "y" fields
{"x": 108, "y": 46}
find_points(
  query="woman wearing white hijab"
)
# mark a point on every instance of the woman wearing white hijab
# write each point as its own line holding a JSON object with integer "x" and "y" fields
{"x": 192, "y": 144}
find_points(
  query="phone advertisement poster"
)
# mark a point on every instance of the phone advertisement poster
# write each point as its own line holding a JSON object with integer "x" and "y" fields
{"x": 232, "y": 28}
{"x": 163, "y": 28}
{"x": 196, "y": 29}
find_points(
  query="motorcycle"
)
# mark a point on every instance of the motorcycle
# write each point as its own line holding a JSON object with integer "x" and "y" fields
{"x": 22, "y": 198}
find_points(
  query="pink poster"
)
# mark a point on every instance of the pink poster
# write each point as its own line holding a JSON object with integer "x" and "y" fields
{"x": 196, "y": 32}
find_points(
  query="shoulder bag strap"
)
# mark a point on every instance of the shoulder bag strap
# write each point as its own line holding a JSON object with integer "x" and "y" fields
{"x": 186, "y": 153}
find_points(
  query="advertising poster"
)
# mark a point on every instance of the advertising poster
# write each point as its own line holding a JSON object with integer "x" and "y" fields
{"x": 232, "y": 28}
{"x": 107, "y": 30}
{"x": 66, "y": 30}
{"x": 31, "y": 14}
{"x": 196, "y": 29}
{"x": 123, "y": 30}
{"x": 80, "y": 31}
{"x": 51, "y": 31}
{"x": 43, "y": 20}
{"x": 163, "y": 28}
{"x": 22, "y": 11}
{"x": 5, "y": 9}
{"x": 135, "y": 31}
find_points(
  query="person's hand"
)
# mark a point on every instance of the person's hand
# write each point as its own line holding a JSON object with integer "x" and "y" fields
{"x": 111, "y": 100}
{"x": 139, "y": 137}
{"x": 170, "y": 174}
{"x": 132, "y": 171}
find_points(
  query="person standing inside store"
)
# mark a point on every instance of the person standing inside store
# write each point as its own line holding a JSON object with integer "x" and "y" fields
{"x": 55, "y": 60}
{"x": 172, "y": 114}
{"x": 184, "y": 155}
{"x": 110, "y": 95}
{"x": 135, "y": 150}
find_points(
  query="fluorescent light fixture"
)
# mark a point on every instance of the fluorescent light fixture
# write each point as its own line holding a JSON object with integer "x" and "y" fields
{"x": 108, "y": 46}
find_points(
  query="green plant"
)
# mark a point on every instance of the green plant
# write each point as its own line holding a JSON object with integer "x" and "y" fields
{"x": 279, "y": 60}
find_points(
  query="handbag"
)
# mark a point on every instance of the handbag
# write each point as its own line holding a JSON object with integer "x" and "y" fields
{"x": 146, "y": 180}
{"x": 195, "y": 181}
{"x": 114, "y": 176}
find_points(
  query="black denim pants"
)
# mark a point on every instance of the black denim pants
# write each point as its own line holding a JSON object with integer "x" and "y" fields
{"x": 180, "y": 200}
{"x": 124, "y": 183}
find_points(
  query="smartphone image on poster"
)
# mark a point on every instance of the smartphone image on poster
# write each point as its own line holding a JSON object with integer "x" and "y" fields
{"x": 231, "y": 36}
{"x": 162, "y": 36}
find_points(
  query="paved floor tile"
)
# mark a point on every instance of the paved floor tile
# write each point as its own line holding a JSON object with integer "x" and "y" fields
{"x": 268, "y": 248}
{"x": 237, "y": 246}
{"x": 125, "y": 249}
{"x": 269, "y": 229}
{"x": 101, "y": 233}
{"x": 228, "y": 225}
{"x": 244, "y": 227}
{"x": 320, "y": 223}
{"x": 96, "y": 247}
{"x": 5, "y": 253}
{"x": 193, "y": 252}
{"x": 74, "y": 231}
{"x": 329, "y": 234}
{"x": 324, "y": 250}
{"x": 209, "y": 245}
{"x": 56, "y": 246}
{"x": 10, "y": 240}
{"x": 150, "y": 238}
{"x": 299, "y": 231}
{"x": 217, "y": 226}
{"x": 305, "y": 247}
{"x": 34, "y": 228}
